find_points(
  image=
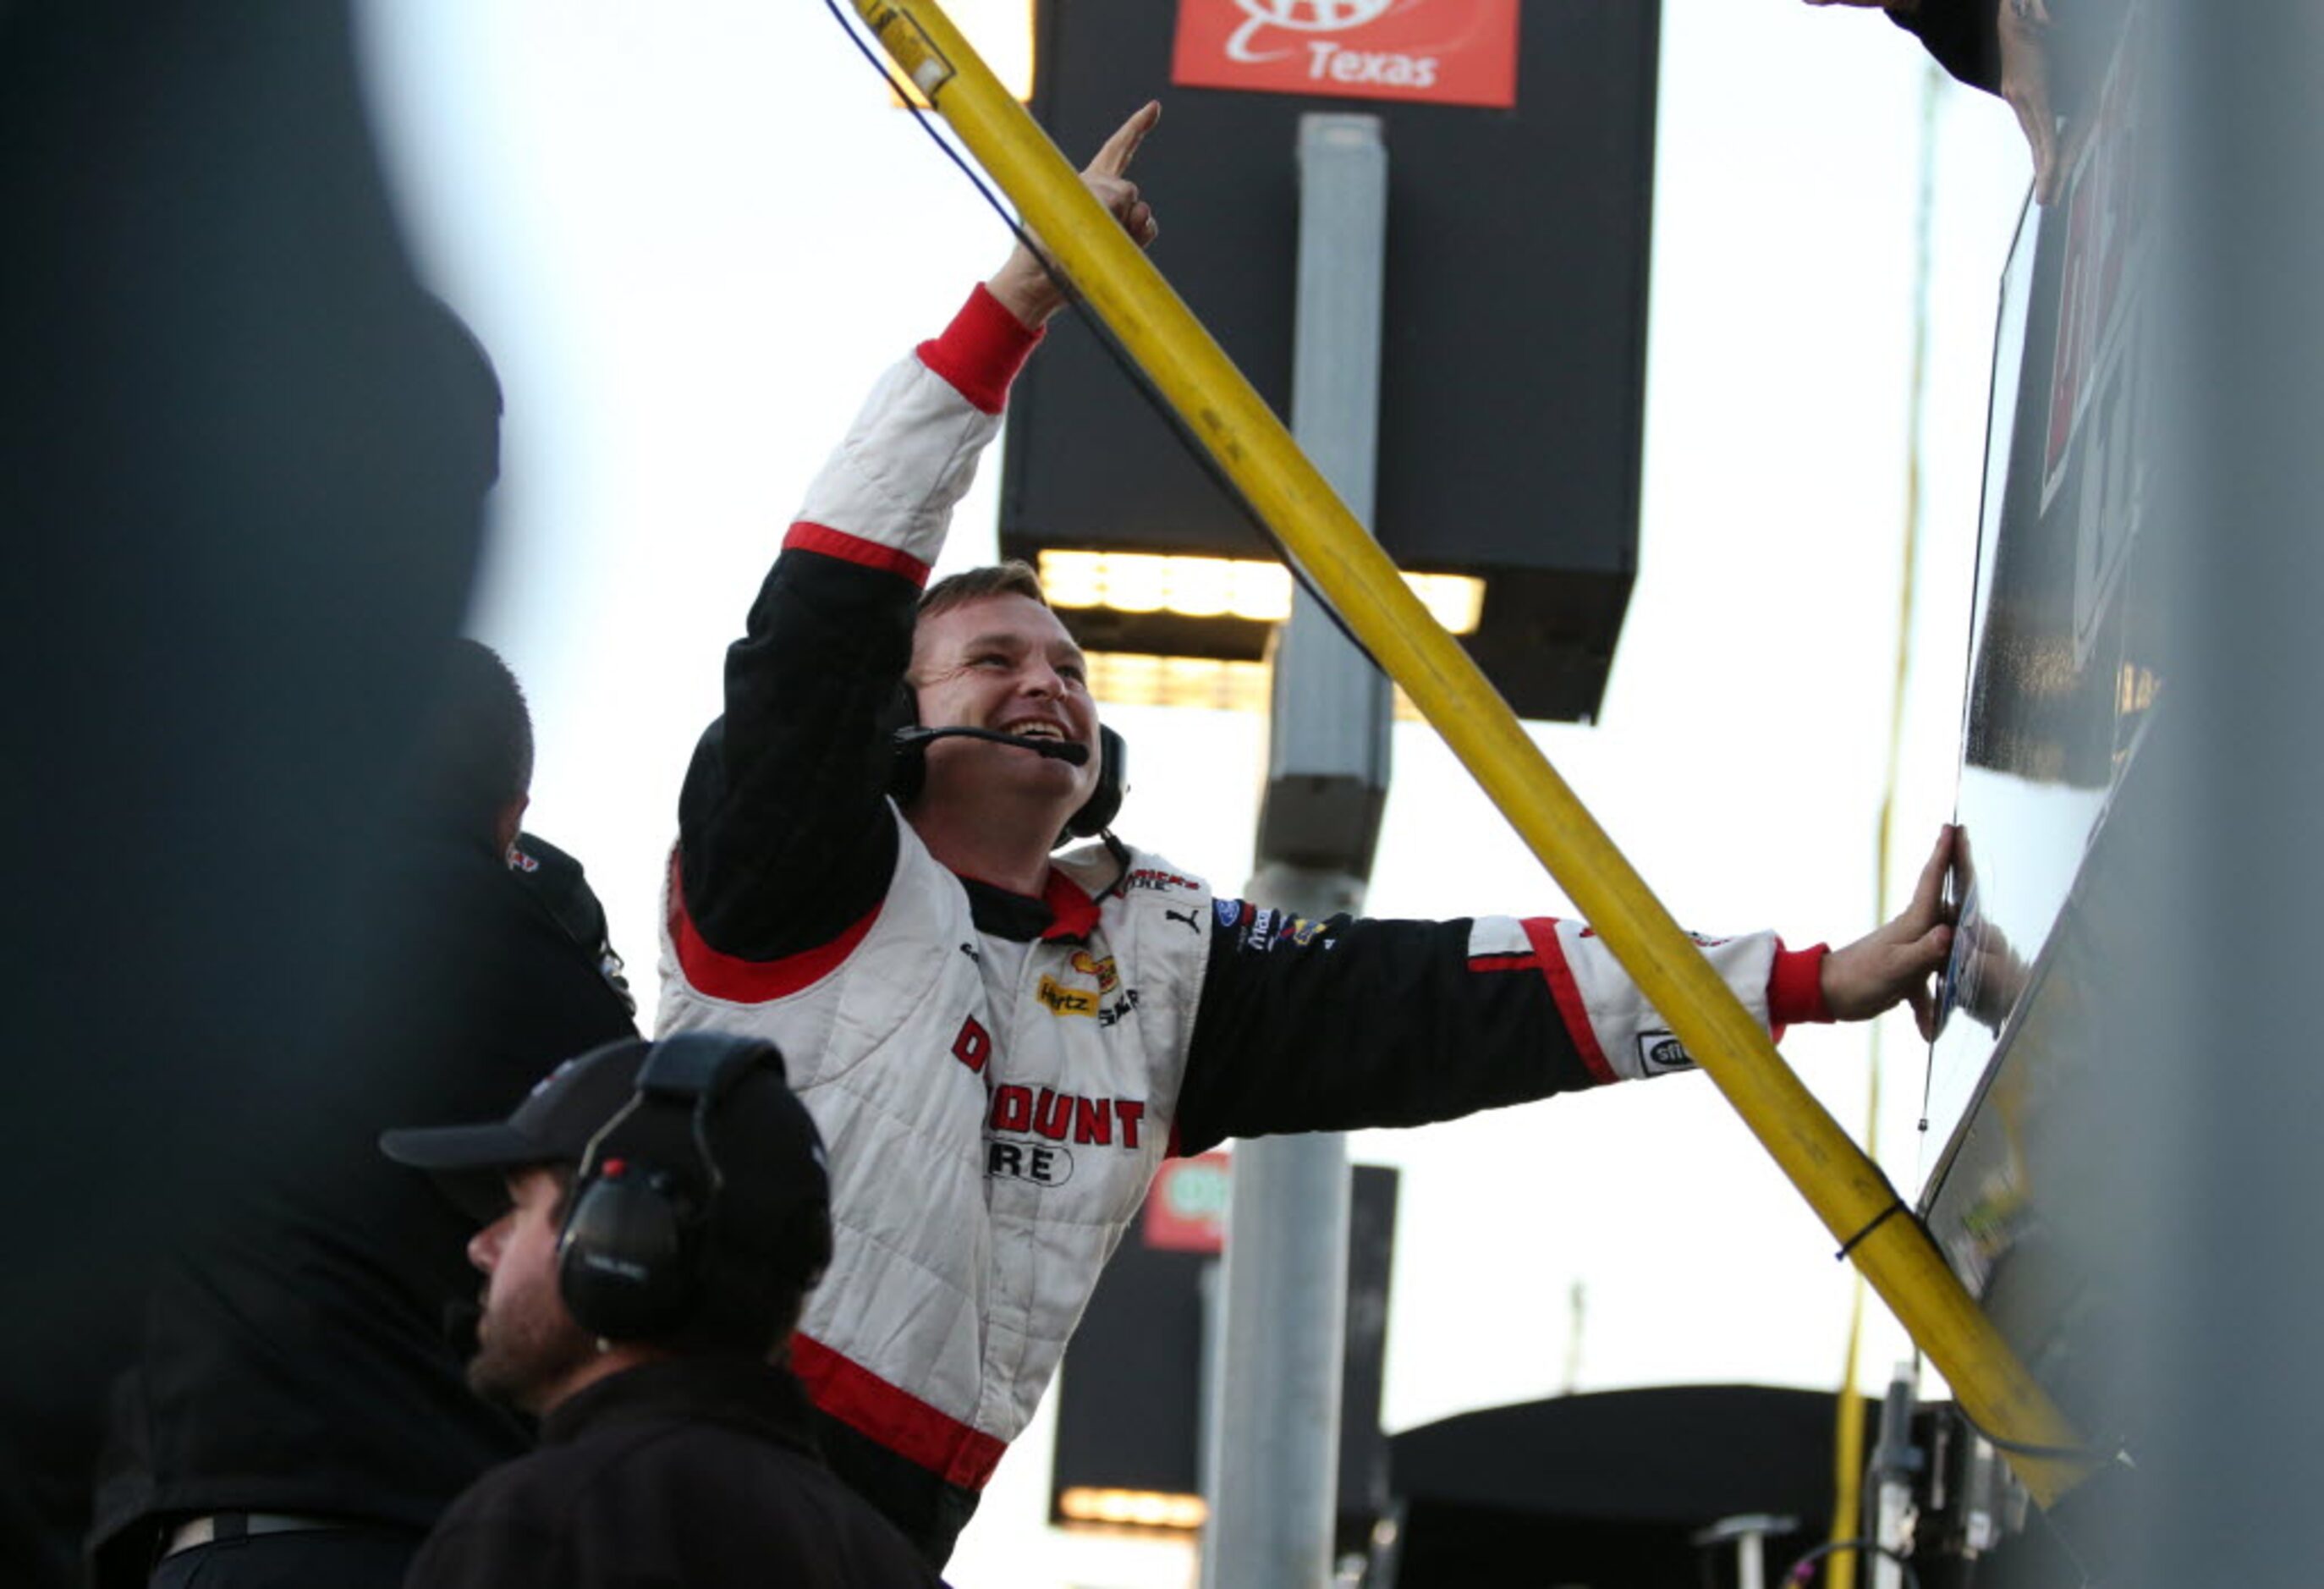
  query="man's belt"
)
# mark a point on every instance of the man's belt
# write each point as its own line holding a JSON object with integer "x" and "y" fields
{"x": 236, "y": 1525}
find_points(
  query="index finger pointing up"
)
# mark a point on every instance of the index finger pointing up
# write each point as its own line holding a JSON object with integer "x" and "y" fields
{"x": 1114, "y": 159}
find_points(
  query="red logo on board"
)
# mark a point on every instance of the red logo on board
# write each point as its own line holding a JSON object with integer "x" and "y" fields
{"x": 1448, "y": 52}
{"x": 1186, "y": 1210}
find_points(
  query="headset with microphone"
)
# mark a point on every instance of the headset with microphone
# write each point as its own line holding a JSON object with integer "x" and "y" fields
{"x": 909, "y": 768}
{"x": 631, "y": 1260}
{"x": 1055, "y": 750}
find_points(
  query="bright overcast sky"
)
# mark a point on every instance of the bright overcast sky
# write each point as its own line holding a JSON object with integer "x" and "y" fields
{"x": 692, "y": 235}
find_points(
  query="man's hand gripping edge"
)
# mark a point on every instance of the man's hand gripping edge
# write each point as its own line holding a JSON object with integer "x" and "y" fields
{"x": 1900, "y": 960}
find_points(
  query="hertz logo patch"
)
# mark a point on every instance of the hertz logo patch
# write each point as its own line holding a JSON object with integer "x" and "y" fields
{"x": 1061, "y": 1000}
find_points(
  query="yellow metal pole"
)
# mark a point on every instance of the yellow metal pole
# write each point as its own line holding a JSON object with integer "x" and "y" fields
{"x": 1846, "y": 1189}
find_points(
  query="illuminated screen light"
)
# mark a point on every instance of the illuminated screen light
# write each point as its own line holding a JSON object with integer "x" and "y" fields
{"x": 1002, "y": 32}
{"x": 1133, "y": 1508}
{"x": 1456, "y": 601}
{"x": 1216, "y": 587}
{"x": 1134, "y": 678}
{"x": 1131, "y": 679}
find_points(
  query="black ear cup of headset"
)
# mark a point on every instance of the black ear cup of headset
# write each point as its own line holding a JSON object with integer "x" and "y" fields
{"x": 909, "y": 765}
{"x": 625, "y": 1262}
{"x": 907, "y": 752}
{"x": 1104, "y": 803}
{"x": 628, "y": 1259}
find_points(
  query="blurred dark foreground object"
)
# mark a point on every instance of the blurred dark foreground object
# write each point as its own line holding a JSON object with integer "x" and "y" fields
{"x": 240, "y": 475}
{"x": 294, "y": 1358}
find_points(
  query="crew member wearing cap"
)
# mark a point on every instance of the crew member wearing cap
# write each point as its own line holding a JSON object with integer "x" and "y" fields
{"x": 658, "y": 1212}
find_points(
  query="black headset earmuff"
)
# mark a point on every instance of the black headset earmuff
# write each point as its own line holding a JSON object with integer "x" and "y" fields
{"x": 629, "y": 1256}
{"x": 908, "y": 767}
{"x": 1104, "y": 803}
{"x": 907, "y": 758}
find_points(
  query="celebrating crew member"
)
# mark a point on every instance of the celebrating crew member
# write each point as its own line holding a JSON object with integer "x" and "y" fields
{"x": 1000, "y": 1044}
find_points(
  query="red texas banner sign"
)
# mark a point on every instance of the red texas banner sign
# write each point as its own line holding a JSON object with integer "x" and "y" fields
{"x": 1449, "y": 51}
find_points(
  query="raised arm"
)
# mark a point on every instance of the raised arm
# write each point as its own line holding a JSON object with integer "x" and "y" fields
{"x": 785, "y": 838}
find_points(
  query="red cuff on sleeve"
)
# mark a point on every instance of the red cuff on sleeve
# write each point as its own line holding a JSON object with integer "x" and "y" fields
{"x": 1795, "y": 987}
{"x": 980, "y": 352}
{"x": 855, "y": 548}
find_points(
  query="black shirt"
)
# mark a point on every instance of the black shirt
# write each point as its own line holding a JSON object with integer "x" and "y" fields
{"x": 295, "y": 1356}
{"x": 694, "y": 1470}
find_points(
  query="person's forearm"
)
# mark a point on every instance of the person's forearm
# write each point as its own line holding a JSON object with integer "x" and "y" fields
{"x": 1026, "y": 290}
{"x": 1359, "y": 1024}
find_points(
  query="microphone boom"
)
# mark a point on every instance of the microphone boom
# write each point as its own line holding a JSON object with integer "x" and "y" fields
{"x": 1055, "y": 750}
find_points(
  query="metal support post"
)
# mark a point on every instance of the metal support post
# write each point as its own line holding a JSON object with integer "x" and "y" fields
{"x": 1274, "y": 1462}
{"x": 1894, "y": 1461}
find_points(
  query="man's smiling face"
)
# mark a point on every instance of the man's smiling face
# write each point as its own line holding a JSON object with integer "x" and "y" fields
{"x": 1005, "y": 662}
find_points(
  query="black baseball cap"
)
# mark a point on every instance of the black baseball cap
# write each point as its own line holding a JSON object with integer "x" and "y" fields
{"x": 769, "y": 1155}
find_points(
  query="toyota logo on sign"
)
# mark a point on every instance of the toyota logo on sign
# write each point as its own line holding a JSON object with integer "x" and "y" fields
{"x": 1451, "y": 52}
